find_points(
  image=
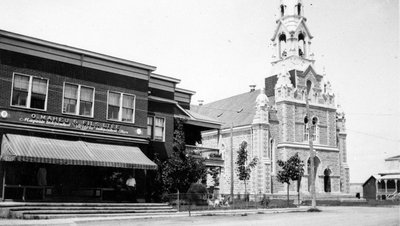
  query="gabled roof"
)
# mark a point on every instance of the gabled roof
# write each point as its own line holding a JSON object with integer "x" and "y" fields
{"x": 281, "y": 23}
{"x": 310, "y": 68}
{"x": 238, "y": 110}
{"x": 397, "y": 157}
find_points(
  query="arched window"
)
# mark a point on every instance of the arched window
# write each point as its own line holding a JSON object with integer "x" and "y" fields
{"x": 282, "y": 45}
{"x": 272, "y": 157}
{"x": 305, "y": 129}
{"x": 282, "y": 10}
{"x": 327, "y": 180}
{"x": 298, "y": 9}
{"x": 301, "y": 44}
{"x": 271, "y": 147}
{"x": 314, "y": 129}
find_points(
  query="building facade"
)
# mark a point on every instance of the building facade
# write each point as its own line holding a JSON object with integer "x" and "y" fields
{"x": 74, "y": 124}
{"x": 273, "y": 120}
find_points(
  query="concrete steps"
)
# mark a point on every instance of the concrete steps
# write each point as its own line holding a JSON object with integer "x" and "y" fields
{"x": 72, "y": 210}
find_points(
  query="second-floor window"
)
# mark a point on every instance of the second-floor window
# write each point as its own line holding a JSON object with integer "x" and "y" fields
{"x": 78, "y": 100}
{"x": 314, "y": 129}
{"x": 156, "y": 128}
{"x": 121, "y": 107}
{"x": 29, "y": 92}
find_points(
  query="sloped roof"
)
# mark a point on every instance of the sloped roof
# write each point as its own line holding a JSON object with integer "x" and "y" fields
{"x": 238, "y": 110}
{"x": 397, "y": 157}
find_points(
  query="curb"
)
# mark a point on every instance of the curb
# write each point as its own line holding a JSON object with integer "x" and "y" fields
{"x": 74, "y": 221}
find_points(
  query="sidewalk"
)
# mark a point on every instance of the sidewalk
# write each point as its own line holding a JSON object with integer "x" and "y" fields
{"x": 74, "y": 221}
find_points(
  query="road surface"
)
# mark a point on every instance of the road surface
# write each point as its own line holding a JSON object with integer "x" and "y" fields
{"x": 337, "y": 216}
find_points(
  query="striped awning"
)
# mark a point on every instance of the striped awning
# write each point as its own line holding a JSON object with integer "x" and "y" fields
{"x": 72, "y": 152}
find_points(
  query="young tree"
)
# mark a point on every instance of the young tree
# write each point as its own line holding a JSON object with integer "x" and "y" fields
{"x": 181, "y": 169}
{"x": 292, "y": 169}
{"x": 244, "y": 169}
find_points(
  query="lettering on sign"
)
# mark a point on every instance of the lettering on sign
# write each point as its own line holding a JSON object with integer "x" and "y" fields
{"x": 73, "y": 123}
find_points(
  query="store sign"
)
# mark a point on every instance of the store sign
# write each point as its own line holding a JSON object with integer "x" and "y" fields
{"x": 70, "y": 123}
{"x": 73, "y": 123}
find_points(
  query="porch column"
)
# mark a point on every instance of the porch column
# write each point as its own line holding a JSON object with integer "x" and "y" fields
{"x": 395, "y": 185}
{"x": 385, "y": 188}
{"x": 145, "y": 185}
{"x": 377, "y": 189}
{"x": 3, "y": 192}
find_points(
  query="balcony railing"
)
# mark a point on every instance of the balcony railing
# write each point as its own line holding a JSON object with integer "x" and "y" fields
{"x": 204, "y": 151}
{"x": 211, "y": 155}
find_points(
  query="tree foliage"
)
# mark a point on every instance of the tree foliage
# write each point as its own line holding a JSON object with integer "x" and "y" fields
{"x": 291, "y": 170}
{"x": 180, "y": 170}
{"x": 244, "y": 168}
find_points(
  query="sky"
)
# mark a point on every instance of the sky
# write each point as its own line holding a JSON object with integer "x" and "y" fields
{"x": 219, "y": 48}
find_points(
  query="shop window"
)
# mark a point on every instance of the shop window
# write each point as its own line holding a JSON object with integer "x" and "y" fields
{"x": 29, "y": 92}
{"x": 156, "y": 128}
{"x": 121, "y": 107}
{"x": 78, "y": 100}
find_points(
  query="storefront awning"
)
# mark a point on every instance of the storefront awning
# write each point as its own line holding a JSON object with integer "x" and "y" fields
{"x": 71, "y": 152}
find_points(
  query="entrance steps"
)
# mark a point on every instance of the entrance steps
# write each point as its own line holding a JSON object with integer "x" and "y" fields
{"x": 72, "y": 210}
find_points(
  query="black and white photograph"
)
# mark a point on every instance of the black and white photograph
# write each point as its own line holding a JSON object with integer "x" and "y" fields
{"x": 199, "y": 112}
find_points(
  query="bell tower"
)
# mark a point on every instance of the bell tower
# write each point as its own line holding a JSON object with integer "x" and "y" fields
{"x": 292, "y": 38}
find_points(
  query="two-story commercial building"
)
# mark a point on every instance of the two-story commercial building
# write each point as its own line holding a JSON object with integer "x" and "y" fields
{"x": 75, "y": 124}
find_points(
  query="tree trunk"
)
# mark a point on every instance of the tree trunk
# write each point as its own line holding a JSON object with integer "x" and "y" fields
{"x": 245, "y": 191}
{"x": 288, "y": 195}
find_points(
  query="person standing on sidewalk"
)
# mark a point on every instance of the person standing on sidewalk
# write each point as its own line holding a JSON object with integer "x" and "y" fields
{"x": 131, "y": 185}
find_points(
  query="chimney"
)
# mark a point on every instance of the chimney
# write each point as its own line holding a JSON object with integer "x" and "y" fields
{"x": 200, "y": 102}
{"x": 252, "y": 88}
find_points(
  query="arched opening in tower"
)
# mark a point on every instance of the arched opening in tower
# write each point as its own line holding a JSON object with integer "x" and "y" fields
{"x": 282, "y": 45}
{"x": 302, "y": 44}
{"x": 282, "y": 10}
{"x": 298, "y": 9}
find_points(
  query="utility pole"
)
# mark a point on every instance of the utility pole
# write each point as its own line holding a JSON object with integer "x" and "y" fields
{"x": 312, "y": 154}
{"x": 232, "y": 164}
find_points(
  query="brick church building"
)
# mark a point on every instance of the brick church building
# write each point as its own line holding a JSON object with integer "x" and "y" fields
{"x": 272, "y": 120}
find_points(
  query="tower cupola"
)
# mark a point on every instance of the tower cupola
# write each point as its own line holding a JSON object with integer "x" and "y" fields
{"x": 292, "y": 38}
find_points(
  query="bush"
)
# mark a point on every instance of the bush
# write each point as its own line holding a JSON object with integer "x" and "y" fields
{"x": 197, "y": 194}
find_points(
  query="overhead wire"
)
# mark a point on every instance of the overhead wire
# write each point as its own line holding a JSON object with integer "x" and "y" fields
{"x": 238, "y": 111}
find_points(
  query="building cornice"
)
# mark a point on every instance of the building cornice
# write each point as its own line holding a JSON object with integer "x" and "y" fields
{"x": 70, "y": 49}
{"x": 162, "y": 100}
{"x": 306, "y": 146}
{"x": 301, "y": 103}
{"x": 190, "y": 92}
{"x": 166, "y": 78}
